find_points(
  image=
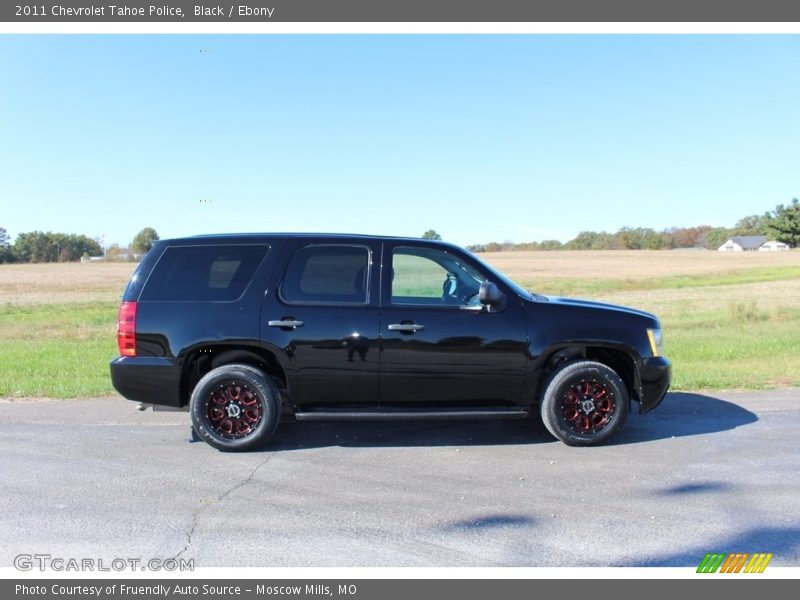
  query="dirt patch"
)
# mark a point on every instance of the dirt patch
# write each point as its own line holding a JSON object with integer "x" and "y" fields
{"x": 632, "y": 264}
{"x": 63, "y": 283}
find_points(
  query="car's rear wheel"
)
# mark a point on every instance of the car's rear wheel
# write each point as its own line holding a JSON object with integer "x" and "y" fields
{"x": 235, "y": 408}
{"x": 584, "y": 403}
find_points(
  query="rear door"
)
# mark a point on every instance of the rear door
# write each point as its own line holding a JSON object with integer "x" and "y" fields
{"x": 322, "y": 317}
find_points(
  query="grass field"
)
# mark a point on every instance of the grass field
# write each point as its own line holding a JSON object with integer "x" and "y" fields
{"x": 730, "y": 320}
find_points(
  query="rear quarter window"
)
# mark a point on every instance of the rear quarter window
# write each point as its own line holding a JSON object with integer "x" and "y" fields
{"x": 203, "y": 273}
{"x": 136, "y": 283}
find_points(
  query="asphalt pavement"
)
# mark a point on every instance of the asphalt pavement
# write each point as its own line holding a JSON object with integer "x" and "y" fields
{"x": 706, "y": 472}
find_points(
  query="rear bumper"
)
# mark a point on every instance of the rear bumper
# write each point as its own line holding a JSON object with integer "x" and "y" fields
{"x": 152, "y": 380}
{"x": 655, "y": 374}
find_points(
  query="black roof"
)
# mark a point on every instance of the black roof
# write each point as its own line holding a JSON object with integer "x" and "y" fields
{"x": 261, "y": 236}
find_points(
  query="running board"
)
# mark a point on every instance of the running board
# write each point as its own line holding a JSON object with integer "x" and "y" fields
{"x": 410, "y": 415}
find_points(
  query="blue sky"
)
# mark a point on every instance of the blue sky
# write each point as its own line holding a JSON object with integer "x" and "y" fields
{"x": 481, "y": 137}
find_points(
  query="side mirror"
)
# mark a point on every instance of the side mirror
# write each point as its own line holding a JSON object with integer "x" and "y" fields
{"x": 490, "y": 294}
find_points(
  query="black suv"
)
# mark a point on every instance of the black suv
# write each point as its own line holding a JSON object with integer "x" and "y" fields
{"x": 244, "y": 330}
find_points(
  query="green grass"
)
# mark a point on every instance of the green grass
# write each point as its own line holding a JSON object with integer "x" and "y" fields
{"x": 745, "y": 345}
{"x": 589, "y": 286}
{"x": 57, "y": 351}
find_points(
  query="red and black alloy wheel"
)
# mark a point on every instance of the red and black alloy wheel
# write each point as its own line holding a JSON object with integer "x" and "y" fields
{"x": 584, "y": 403}
{"x": 588, "y": 406}
{"x": 234, "y": 410}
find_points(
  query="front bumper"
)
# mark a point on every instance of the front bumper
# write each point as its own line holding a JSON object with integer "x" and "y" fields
{"x": 655, "y": 376}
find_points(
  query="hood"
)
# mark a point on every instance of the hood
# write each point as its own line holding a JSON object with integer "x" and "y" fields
{"x": 558, "y": 300}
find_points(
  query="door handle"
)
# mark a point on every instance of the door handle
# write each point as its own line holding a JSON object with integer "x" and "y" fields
{"x": 286, "y": 323}
{"x": 406, "y": 327}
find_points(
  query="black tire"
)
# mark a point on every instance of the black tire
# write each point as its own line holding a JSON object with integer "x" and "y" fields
{"x": 235, "y": 408}
{"x": 584, "y": 403}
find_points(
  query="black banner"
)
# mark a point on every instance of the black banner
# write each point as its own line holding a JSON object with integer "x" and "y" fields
{"x": 403, "y": 11}
{"x": 378, "y": 589}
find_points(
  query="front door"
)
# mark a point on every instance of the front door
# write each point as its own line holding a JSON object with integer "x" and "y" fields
{"x": 321, "y": 318}
{"x": 438, "y": 346}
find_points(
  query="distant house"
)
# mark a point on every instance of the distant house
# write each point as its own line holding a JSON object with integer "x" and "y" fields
{"x": 743, "y": 243}
{"x": 773, "y": 246}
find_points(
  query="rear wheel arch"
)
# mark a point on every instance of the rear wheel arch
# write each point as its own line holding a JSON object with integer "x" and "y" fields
{"x": 204, "y": 359}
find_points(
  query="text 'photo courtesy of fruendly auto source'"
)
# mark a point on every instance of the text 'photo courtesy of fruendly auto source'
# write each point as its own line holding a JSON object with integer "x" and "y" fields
{"x": 365, "y": 301}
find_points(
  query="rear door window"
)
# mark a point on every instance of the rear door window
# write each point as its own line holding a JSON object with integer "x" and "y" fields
{"x": 327, "y": 274}
{"x": 204, "y": 273}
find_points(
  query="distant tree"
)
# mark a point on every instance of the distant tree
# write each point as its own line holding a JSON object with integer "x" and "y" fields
{"x": 550, "y": 245}
{"x": 784, "y": 223}
{"x": 37, "y": 246}
{"x": 431, "y": 234}
{"x": 638, "y": 238}
{"x": 6, "y": 253}
{"x": 33, "y": 246}
{"x": 753, "y": 225}
{"x": 583, "y": 241}
{"x": 715, "y": 237}
{"x": 76, "y": 245}
{"x": 686, "y": 237}
{"x": 527, "y": 246}
{"x": 506, "y": 246}
{"x": 113, "y": 252}
{"x": 144, "y": 240}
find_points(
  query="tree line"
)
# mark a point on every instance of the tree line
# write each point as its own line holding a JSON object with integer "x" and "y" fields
{"x": 782, "y": 224}
{"x": 40, "y": 247}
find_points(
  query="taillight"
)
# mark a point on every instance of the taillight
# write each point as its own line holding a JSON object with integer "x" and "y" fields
{"x": 126, "y": 329}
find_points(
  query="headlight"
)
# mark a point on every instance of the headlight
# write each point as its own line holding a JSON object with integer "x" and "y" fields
{"x": 654, "y": 335}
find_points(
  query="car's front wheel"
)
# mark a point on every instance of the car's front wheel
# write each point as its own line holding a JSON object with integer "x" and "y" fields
{"x": 584, "y": 403}
{"x": 235, "y": 408}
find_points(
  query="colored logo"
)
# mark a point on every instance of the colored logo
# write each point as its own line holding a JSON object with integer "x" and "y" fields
{"x": 737, "y": 562}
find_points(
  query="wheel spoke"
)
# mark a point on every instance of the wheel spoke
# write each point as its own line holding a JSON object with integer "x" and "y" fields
{"x": 249, "y": 399}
